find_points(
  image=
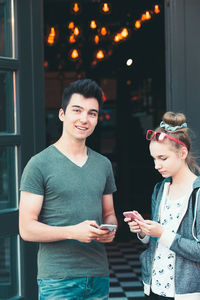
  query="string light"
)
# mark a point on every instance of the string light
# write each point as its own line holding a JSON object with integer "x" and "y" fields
{"x": 100, "y": 54}
{"x": 71, "y": 25}
{"x": 93, "y": 24}
{"x": 117, "y": 38}
{"x": 96, "y": 39}
{"x": 156, "y": 9}
{"x": 74, "y": 54}
{"x": 103, "y": 31}
{"x": 148, "y": 15}
{"x": 105, "y": 8}
{"x": 76, "y": 7}
{"x": 72, "y": 39}
{"x": 124, "y": 32}
{"x": 76, "y": 31}
{"x": 137, "y": 24}
{"x": 51, "y": 36}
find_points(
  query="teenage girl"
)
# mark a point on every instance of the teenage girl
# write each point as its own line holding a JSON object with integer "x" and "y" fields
{"x": 171, "y": 263}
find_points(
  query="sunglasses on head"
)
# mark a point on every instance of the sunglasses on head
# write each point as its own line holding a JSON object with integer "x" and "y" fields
{"x": 160, "y": 136}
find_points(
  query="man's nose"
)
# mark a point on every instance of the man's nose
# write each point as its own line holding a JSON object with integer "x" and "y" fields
{"x": 84, "y": 117}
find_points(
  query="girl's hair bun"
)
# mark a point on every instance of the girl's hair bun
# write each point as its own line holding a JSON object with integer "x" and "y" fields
{"x": 174, "y": 119}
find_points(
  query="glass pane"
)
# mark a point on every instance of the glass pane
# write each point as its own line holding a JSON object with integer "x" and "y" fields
{"x": 7, "y": 177}
{"x": 5, "y": 28}
{"x": 6, "y": 102}
{"x": 8, "y": 267}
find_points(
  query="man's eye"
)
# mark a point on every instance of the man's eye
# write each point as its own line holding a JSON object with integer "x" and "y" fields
{"x": 163, "y": 158}
{"x": 93, "y": 114}
{"x": 76, "y": 110}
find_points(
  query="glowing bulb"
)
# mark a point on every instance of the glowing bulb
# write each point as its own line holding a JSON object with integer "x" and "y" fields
{"x": 75, "y": 7}
{"x": 103, "y": 31}
{"x": 137, "y": 24}
{"x": 148, "y": 16}
{"x": 51, "y": 36}
{"x": 100, "y": 54}
{"x": 71, "y": 25}
{"x": 76, "y": 31}
{"x": 156, "y": 9}
{"x": 72, "y": 39}
{"x": 117, "y": 38}
{"x": 74, "y": 54}
{"x": 93, "y": 24}
{"x": 143, "y": 18}
{"x": 124, "y": 32}
{"x": 96, "y": 39}
{"x": 105, "y": 8}
{"x": 129, "y": 62}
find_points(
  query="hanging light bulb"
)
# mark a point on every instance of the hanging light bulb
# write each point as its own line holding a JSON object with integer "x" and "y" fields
{"x": 124, "y": 32}
{"x": 100, "y": 55}
{"x": 51, "y": 36}
{"x": 148, "y": 15}
{"x": 71, "y": 25}
{"x": 96, "y": 39}
{"x": 76, "y": 31}
{"x": 103, "y": 31}
{"x": 137, "y": 24}
{"x": 93, "y": 24}
{"x": 75, "y": 7}
{"x": 105, "y": 8}
{"x": 156, "y": 9}
{"x": 72, "y": 39}
{"x": 117, "y": 38}
{"x": 74, "y": 54}
{"x": 143, "y": 17}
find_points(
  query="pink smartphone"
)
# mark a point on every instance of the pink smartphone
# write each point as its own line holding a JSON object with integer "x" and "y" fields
{"x": 132, "y": 215}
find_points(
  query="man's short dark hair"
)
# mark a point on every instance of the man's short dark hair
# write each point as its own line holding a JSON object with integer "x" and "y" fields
{"x": 85, "y": 87}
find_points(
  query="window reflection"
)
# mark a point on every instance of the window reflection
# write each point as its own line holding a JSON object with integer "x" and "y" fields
{"x": 8, "y": 267}
{"x": 7, "y": 178}
{"x": 5, "y": 263}
{"x": 7, "y": 102}
{"x": 5, "y": 29}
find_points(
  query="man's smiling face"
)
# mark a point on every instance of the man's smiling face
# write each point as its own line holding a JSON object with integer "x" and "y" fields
{"x": 80, "y": 117}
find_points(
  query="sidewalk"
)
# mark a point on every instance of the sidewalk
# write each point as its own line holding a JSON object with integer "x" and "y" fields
{"x": 125, "y": 270}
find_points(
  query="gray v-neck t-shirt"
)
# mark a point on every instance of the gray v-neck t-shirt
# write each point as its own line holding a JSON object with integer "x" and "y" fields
{"x": 72, "y": 194}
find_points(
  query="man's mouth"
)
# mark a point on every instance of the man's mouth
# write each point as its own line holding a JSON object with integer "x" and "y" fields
{"x": 81, "y": 128}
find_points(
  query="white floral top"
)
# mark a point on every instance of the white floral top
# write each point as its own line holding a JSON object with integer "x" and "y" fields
{"x": 164, "y": 259}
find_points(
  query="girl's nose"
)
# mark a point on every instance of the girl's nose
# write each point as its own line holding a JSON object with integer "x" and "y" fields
{"x": 157, "y": 165}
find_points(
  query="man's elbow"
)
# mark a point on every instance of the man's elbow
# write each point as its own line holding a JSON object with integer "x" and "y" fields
{"x": 23, "y": 232}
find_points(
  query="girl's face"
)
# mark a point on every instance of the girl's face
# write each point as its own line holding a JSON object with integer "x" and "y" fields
{"x": 168, "y": 160}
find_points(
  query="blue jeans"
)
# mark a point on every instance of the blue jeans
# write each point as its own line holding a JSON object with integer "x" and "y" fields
{"x": 74, "y": 288}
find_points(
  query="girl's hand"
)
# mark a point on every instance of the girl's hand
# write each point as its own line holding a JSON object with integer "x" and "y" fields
{"x": 151, "y": 228}
{"x": 134, "y": 227}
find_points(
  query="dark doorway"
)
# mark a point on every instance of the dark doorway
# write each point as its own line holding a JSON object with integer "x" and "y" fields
{"x": 131, "y": 72}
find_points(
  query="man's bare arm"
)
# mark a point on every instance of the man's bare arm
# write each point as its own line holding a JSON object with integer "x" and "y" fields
{"x": 32, "y": 230}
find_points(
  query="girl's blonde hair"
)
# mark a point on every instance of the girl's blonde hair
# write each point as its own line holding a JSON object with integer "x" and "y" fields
{"x": 182, "y": 134}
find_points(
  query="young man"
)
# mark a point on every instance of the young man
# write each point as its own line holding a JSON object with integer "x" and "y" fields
{"x": 66, "y": 193}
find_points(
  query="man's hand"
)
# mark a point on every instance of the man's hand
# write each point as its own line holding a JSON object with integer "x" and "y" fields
{"x": 89, "y": 230}
{"x": 106, "y": 236}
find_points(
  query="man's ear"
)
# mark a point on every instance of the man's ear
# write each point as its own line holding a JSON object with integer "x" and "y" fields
{"x": 61, "y": 114}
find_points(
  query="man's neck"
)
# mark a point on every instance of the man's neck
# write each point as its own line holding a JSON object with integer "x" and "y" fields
{"x": 71, "y": 147}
